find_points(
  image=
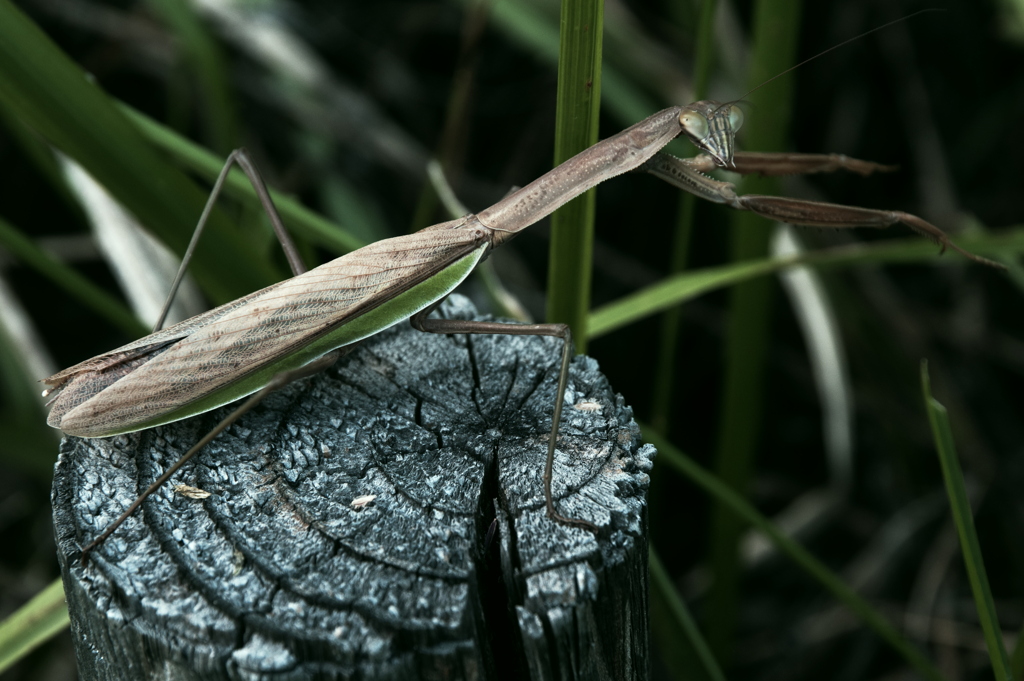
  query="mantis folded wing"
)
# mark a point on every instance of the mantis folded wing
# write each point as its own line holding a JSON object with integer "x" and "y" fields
{"x": 305, "y": 323}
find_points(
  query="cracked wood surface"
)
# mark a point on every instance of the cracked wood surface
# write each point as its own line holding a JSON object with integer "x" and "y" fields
{"x": 277, "y": 574}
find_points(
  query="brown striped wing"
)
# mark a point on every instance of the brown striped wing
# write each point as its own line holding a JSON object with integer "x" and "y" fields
{"x": 262, "y": 330}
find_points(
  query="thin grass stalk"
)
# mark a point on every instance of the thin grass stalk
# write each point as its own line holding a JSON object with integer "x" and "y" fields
{"x": 29, "y": 445}
{"x": 300, "y": 220}
{"x": 33, "y": 624}
{"x": 963, "y": 517}
{"x": 725, "y": 496}
{"x": 576, "y": 118}
{"x": 688, "y": 285}
{"x": 697, "y": 651}
{"x": 91, "y": 295}
{"x": 528, "y": 23}
{"x": 1017, "y": 659}
{"x": 664, "y": 373}
{"x": 205, "y": 60}
{"x": 450, "y": 150}
{"x": 776, "y": 31}
{"x": 47, "y": 92}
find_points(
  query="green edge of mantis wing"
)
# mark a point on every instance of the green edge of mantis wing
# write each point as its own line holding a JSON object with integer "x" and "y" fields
{"x": 367, "y": 324}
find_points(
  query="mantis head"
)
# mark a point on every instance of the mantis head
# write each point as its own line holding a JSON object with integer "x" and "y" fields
{"x": 712, "y": 126}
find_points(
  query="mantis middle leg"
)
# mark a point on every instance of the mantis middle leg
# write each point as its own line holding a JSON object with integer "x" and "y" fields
{"x": 421, "y": 322}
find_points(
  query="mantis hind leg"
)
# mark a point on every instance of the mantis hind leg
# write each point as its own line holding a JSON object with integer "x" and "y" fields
{"x": 421, "y": 322}
{"x": 241, "y": 157}
{"x": 278, "y": 381}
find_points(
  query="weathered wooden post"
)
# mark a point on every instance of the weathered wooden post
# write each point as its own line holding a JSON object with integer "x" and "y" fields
{"x": 287, "y": 571}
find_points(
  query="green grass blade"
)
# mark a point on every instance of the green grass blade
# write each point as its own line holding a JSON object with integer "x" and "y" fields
{"x": 204, "y": 56}
{"x": 963, "y": 517}
{"x": 1017, "y": 660}
{"x": 47, "y": 92}
{"x": 39, "y": 154}
{"x": 68, "y": 279}
{"x": 972, "y": 228}
{"x": 665, "y": 592}
{"x": 818, "y": 320}
{"x": 28, "y": 444}
{"x": 528, "y": 25}
{"x": 664, "y": 375}
{"x": 776, "y": 31}
{"x": 682, "y": 287}
{"x": 576, "y": 118}
{"x": 297, "y": 218}
{"x": 734, "y": 503}
{"x": 32, "y": 624}
{"x": 677, "y": 289}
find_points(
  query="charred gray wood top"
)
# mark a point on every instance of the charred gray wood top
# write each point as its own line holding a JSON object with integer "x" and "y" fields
{"x": 289, "y": 570}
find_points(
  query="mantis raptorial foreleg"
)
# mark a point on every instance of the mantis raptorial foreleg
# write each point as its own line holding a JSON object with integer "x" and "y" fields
{"x": 688, "y": 174}
{"x": 783, "y": 163}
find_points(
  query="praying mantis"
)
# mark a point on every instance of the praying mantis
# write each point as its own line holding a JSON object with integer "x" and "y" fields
{"x": 305, "y": 324}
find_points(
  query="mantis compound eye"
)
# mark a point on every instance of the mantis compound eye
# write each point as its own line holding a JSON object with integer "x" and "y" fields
{"x": 735, "y": 117}
{"x": 694, "y": 124}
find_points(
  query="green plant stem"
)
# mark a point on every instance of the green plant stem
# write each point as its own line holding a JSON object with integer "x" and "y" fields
{"x": 776, "y": 29}
{"x": 734, "y": 503}
{"x": 576, "y": 118}
{"x": 963, "y": 517}
{"x": 32, "y": 624}
{"x": 1017, "y": 659}
{"x": 664, "y": 374}
{"x": 71, "y": 281}
{"x": 205, "y": 59}
{"x": 665, "y": 595}
{"x": 47, "y": 92}
{"x": 688, "y": 285}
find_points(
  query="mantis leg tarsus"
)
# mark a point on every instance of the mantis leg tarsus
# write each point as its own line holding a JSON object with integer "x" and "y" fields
{"x": 821, "y": 214}
{"x": 421, "y": 322}
{"x": 776, "y": 164}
